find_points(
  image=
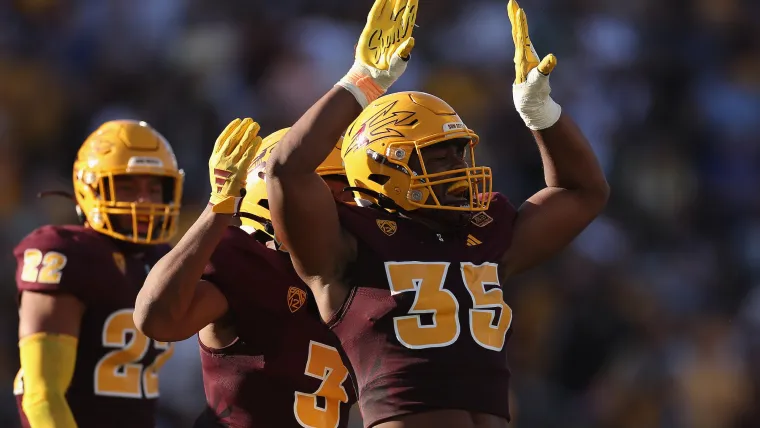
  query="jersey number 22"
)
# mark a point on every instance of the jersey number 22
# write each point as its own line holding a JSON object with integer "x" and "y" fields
{"x": 119, "y": 373}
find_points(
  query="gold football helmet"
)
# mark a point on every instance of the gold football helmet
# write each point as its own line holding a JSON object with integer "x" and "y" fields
{"x": 125, "y": 147}
{"x": 382, "y": 140}
{"x": 255, "y": 201}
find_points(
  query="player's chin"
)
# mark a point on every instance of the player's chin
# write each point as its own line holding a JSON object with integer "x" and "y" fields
{"x": 446, "y": 219}
{"x": 455, "y": 218}
{"x": 125, "y": 226}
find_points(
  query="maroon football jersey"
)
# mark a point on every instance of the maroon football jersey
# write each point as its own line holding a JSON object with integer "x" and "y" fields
{"x": 285, "y": 368}
{"x": 425, "y": 325}
{"x": 115, "y": 380}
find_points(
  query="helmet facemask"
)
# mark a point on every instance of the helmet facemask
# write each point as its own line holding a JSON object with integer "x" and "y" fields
{"x": 472, "y": 184}
{"x": 157, "y": 219}
{"x": 465, "y": 185}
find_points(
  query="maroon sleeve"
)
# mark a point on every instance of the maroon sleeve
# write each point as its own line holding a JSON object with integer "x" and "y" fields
{"x": 495, "y": 226}
{"x": 502, "y": 207}
{"x": 503, "y": 210}
{"x": 53, "y": 260}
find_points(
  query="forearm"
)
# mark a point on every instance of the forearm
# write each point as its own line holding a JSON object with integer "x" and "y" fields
{"x": 568, "y": 160}
{"x": 313, "y": 136}
{"x": 48, "y": 362}
{"x": 168, "y": 292}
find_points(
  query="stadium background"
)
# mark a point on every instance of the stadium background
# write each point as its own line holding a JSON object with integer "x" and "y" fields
{"x": 650, "y": 319}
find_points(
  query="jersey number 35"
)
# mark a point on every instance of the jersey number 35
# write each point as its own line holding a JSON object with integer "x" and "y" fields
{"x": 489, "y": 318}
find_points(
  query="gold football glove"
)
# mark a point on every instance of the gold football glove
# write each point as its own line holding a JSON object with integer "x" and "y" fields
{"x": 382, "y": 52}
{"x": 531, "y": 89}
{"x": 228, "y": 165}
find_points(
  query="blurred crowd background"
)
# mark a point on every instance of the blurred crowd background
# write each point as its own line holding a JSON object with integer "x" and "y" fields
{"x": 650, "y": 319}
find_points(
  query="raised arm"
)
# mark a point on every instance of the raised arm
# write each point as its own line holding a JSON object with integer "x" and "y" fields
{"x": 174, "y": 303}
{"x": 302, "y": 207}
{"x": 576, "y": 189}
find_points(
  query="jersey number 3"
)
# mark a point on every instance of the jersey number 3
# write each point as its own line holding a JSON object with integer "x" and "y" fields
{"x": 324, "y": 363}
{"x": 490, "y": 317}
{"x": 119, "y": 373}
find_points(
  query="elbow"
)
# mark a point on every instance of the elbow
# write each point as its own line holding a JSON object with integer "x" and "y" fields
{"x": 284, "y": 161}
{"x": 279, "y": 163}
{"x": 144, "y": 320}
{"x": 599, "y": 195}
{"x": 150, "y": 321}
{"x": 156, "y": 329}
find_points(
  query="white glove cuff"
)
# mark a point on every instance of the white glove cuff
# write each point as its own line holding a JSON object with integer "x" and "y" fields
{"x": 362, "y": 83}
{"x": 368, "y": 83}
{"x": 532, "y": 101}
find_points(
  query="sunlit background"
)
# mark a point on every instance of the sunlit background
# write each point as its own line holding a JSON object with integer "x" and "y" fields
{"x": 650, "y": 319}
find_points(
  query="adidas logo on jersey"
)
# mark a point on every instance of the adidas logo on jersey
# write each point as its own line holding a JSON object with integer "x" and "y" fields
{"x": 472, "y": 241}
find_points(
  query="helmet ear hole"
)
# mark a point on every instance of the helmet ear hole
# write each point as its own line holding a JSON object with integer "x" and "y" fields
{"x": 380, "y": 179}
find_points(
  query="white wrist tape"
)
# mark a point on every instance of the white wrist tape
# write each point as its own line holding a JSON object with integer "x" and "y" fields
{"x": 532, "y": 101}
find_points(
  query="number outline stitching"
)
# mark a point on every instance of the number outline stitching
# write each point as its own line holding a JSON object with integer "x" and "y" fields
{"x": 31, "y": 267}
{"x": 50, "y": 273}
{"x": 324, "y": 378}
{"x": 153, "y": 368}
{"x": 470, "y": 286}
{"x": 120, "y": 349}
{"x": 43, "y": 268}
{"x": 415, "y": 313}
{"x": 134, "y": 362}
{"x": 487, "y": 308}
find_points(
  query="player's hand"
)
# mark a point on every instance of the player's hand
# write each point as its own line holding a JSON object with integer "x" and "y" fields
{"x": 531, "y": 91}
{"x": 383, "y": 50}
{"x": 228, "y": 165}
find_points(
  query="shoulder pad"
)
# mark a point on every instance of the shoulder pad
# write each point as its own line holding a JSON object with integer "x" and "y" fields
{"x": 58, "y": 258}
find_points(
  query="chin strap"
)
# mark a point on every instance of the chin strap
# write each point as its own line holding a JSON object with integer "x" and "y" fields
{"x": 383, "y": 202}
{"x": 264, "y": 222}
{"x": 61, "y": 193}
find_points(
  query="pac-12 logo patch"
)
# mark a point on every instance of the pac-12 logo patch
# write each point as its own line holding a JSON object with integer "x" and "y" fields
{"x": 296, "y": 298}
{"x": 388, "y": 227}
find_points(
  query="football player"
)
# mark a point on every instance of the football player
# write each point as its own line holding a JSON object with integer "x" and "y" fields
{"x": 410, "y": 279}
{"x": 83, "y": 363}
{"x": 267, "y": 358}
